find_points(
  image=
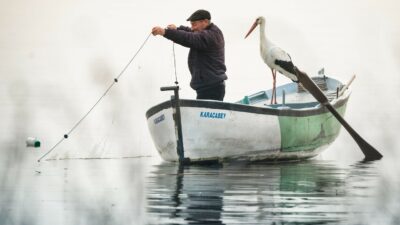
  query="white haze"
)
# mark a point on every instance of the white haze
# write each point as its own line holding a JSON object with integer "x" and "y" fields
{"x": 63, "y": 55}
{"x": 58, "y": 57}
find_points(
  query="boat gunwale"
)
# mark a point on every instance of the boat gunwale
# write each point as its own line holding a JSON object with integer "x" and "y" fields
{"x": 211, "y": 104}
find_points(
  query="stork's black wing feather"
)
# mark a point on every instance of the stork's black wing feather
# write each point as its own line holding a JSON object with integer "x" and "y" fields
{"x": 287, "y": 66}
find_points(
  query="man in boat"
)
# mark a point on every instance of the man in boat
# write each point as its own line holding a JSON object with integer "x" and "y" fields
{"x": 206, "y": 58}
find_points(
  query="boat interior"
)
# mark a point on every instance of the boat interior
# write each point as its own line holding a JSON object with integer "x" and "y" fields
{"x": 293, "y": 95}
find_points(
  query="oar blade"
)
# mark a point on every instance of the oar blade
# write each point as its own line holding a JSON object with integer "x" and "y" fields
{"x": 370, "y": 152}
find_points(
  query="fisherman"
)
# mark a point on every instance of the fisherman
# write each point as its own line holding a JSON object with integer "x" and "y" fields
{"x": 206, "y": 58}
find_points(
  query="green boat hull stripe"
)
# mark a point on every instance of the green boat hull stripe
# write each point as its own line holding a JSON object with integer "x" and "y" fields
{"x": 310, "y": 132}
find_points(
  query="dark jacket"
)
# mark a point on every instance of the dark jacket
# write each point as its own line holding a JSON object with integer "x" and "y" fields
{"x": 206, "y": 56}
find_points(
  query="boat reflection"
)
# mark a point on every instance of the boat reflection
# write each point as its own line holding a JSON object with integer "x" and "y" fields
{"x": 310, "y": 192}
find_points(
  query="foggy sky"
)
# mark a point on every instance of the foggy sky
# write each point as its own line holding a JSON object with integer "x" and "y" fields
{"x": 58, "y": 57}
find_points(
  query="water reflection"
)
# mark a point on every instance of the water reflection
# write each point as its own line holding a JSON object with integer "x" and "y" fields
{"x": 179, "y": 193}
{"x": 311, "y": 192}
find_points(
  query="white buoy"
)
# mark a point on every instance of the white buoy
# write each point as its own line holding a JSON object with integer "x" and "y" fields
{"x": 32, "y": 142}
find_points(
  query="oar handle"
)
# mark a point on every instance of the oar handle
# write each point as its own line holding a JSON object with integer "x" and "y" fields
{"x": 345, "y": 87}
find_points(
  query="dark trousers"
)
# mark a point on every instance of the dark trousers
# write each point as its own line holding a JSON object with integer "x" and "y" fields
{"x": 215, "y": 92}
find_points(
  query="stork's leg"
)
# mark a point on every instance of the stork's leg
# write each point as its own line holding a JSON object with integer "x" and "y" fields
{"x": 274, "y": 87}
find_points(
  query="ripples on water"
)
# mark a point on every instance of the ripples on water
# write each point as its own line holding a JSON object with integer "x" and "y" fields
{"x": 310, "y": 192}
{"x": 145, "y": 191}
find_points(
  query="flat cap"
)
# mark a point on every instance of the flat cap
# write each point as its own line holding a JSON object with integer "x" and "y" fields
{"x": 200, "y": 14}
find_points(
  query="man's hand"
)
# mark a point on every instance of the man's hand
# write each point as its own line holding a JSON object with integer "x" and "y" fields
{"x": 171, "y": 27}
{"x": 158, "y": 31}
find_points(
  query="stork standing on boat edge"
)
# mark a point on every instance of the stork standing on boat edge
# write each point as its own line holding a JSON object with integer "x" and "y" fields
{"x": 276, "y": 58}
{"x": 279, "y": 60}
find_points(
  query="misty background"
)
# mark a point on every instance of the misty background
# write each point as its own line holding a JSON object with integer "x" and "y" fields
{"x": 58, "y": 57}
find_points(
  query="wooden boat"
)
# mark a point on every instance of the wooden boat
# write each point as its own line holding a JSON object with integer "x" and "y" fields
{"x": 298, "y": 127}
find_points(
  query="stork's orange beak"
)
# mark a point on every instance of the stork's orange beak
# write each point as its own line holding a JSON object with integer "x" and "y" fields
{"x": 252, "y": 28}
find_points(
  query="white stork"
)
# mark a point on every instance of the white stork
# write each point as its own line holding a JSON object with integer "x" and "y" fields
{"x": 274, "y": 57}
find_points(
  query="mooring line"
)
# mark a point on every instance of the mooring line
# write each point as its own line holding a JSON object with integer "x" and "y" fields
{"x": 98, "y": 101}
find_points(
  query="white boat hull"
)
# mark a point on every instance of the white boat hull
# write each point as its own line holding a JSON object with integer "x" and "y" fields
{"x": 214, "y": 130}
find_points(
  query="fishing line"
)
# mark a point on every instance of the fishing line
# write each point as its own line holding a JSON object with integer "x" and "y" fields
{"x": 173, "y": 53}
{"x": 98, "y": 101}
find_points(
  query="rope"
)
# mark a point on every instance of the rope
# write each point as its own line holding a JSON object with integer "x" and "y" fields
{"x": 173, "y": 52}
{"x": 98, "y": 101}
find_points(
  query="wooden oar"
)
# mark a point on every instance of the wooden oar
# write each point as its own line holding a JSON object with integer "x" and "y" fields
{"x": 346, "y": 86}
{"x": 370, "y": 152}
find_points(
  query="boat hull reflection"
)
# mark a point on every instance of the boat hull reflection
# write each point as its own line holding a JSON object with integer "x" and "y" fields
{"x": 301, "y": 192}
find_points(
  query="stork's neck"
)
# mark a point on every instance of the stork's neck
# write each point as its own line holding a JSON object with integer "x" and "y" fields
{"x": 265, "y": 44}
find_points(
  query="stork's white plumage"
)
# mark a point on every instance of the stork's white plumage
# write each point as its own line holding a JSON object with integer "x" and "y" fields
{"x": 274, "y": 57}
{"x": 279, "y": 60}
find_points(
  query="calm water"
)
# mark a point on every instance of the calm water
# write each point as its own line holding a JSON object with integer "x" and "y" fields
{"x": 147, "y": 191}
{"x": 311, "y": 192}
